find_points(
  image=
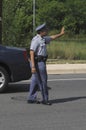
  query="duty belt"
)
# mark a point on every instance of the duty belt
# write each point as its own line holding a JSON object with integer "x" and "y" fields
{"x": 41, "y": 58}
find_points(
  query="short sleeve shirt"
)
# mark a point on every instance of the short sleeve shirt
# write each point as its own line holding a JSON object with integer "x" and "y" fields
{"x": 38, "y": 45}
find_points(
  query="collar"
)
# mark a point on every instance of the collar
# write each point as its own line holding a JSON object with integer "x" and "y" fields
{"x": 38, "y": 35}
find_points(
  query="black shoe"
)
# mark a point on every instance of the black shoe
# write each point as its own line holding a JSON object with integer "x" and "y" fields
{"x": 46, "y": 103}
{"x": 38, "y": 102}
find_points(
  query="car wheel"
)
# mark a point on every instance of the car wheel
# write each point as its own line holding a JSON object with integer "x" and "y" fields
{"x": 4, "y": 79}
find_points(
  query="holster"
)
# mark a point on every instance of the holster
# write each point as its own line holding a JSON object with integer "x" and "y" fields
{"x": 41, "y": 58}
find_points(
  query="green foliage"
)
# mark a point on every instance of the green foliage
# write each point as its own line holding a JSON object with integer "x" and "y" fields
{"x": 18, "y": 18}
{"x": 75, "y": 19}
{"x": 52, "y": 13}
{"x": 17, "y": 22}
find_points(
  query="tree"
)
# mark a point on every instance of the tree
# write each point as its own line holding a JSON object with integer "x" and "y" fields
{"x": 75, "y": 18}
{"x": 53, "y": 13}
{"x": 17, "y": 22}
{"x": 18, "y": 18}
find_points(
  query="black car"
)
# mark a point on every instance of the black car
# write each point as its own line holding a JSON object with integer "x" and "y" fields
{"x": 14, "y": 65}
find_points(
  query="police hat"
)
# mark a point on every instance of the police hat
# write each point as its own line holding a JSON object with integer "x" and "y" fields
{"x": 41, "y": 27}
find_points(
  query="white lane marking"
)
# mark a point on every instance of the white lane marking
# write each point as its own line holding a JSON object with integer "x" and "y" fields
{"x": 67, "y": 79}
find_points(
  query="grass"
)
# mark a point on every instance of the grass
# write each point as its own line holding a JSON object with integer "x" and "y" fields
{"x": 68, "y": 50}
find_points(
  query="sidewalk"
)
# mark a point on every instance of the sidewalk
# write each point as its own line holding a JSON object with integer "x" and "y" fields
{"x": 66, "y": 68}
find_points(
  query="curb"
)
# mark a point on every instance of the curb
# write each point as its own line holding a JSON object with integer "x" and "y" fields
{"x": 66, "y": 68}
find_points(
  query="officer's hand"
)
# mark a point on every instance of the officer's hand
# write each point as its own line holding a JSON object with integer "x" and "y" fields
{"x": 62, "y": 30}
{"x": 33, "y": 70}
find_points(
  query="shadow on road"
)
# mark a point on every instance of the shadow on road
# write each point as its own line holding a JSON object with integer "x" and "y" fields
{"x": 19, "y": 87}
{"x": 14, "y": 88}
{"x": 69, "y": 99}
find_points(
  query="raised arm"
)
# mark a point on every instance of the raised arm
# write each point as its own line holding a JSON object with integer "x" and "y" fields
{"x": 53, "y": 37}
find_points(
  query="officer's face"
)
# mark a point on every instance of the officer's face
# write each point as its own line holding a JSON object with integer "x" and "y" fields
{"x": 44, "y": 32}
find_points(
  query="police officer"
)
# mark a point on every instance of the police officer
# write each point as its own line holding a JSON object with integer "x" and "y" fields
{"x": 38, "y": 57}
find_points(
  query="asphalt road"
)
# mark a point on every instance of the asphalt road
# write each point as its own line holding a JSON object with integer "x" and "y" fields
{"x": 68, "y": 111}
